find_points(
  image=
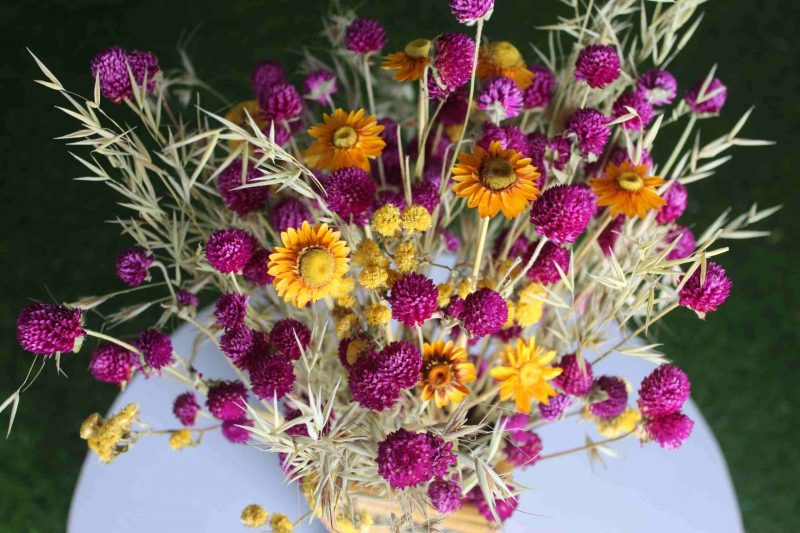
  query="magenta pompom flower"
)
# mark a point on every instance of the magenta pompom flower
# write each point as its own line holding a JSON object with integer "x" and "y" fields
{"x": 288, "y": 336}
{"x": 237, "y": 344}
{"x": 504, "y": 507}
{"x": 289, "y": 213}
{"x": 484, "y": 313}
{"x": 281, "y": 103}
{"x": 616, "y": 397}
{"x": 501, "y": 98}
{"x": 676, "y": 197}
{"x": 544, "y": 269}
{"x": 48, "y": 329}
{"x": 707, "y": 296}
{"x": 659, "y": 87}
{"x": 608, "y": 237}
{"x": 451, "y": 241}
{"x": 590, "y": 128}
{"x": 272, "y": 376}
{"x": 230, "y": 310}
{"x": 399, "y": 362}
{"x": 686, "y": 242}
{"x": 597, "y": 65}
{"x": 555, "y": 408}
{"x": 236, "y": 430}
{"x": 377, "y": 379}
{"x": 132, "y": 266}
{"x": 350, "y": 191}
{"x": 637, "y": 102}
{"x": 471, "y": 11}
{"x": 455, "y": 307}
{"x": 112, "y": 364}
{"x": 241, "y": 201}
{"x": 265, "y": 75}
{"x": 711, "y": 100}
{"x": 669, "y": 431}
{"x": 664, "y": 391}
{"x": 574, "y": 380}
{"x": 509, "y": 136}
{"x": 562, "y": 212}
{"x": 538, "y": 94}
{"x": 426, "y": 194}
{"x": 255, "y": 271}
{"x": 111, "y": 67}
{"x": 156, "y": 348}
{"x": 227, "y": 400}
{"x": 185, "y": 408}
{"x": 452, "y": 64}
{"x": 187, "y": 299}
{"x": 523, "y": 448}
{"x": 454, "y": 109}
{"x": 413, "y": 299}
{"x": 320, "y": 86}
{"x": 559, "y": 148}
{"x": 364, "y": 36}
{"x": 445, "y": 495}
{"x": 406, "y": 459}
{"x": 229, "y": 250}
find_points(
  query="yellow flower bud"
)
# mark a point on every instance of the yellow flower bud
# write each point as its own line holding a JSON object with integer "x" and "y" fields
{"x": 386, "y": 220}
{"x": 180, "y": 439}
{"x": 254, "y": 515}
{"x": 416, "y": 218}
{"x": 405, "y": 257}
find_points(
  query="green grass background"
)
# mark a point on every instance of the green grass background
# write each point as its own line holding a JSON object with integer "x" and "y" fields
{"x": 743, "y": 360}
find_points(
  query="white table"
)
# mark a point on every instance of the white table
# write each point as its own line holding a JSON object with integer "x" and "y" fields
{"x": 203, "y": 489}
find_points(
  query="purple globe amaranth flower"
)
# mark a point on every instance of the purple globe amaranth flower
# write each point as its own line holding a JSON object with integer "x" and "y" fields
{"x": 574, "y": 380}
{"x": 229, "y": 250}
{"x": 112, "y": 364}
{"x": 509, "y": 136}
{"x": 280, "y": 132}
{"x": 504, "y": 507}
{"x": 452, "y": 64}
{"x": 711, "y": 100}
{"x": 501, "y": 98}
{"x": 506, "y": 335}
{"x": 300, "y": 430}
{"x": 364, "y": 36}
{"x": 400, "y": 362}
{"x": 686, "y": 242}
{"x": 554, "y": 409}
{"x": 185, "y": 408}
{"x": 156, "y": 348}
{"x": 455, "y": 307}
{"x": 231, "y": 309}
{"x": 111, "y": 67}
{"x": 350, "y": 191}
{"x": 265, "y": 75}
{"x": 426, "y": 194}
{"x": 454, "y": 109}
{"x": 281, "y": 103}
{"x": 484, "y": 313}
{"x": 369, "y": 388}
{"x": 538, "y": 94}
{"x": 320, "y": 86}
{"x": 255, "y": 271}
{"x": 227, "y": 400}
{"x": 638, "y": 103}
{"x": 241, "y": 201}
{"x": 659, "y": 87}
{"x": 406, "y": 459}
{"x": 523, "y": 448}
{"x": 288, "y": 336}
{"x": 237, "y": 344}
{"x": 289, "y": 213}
{"x": 517, "y": 423}
{"x": 676, "y": 197}
{"x": 133, "y": 264}
{"x": 562, "y": 212}
{"x": 670, "y": 431}
{"x": 48, "y": 329}
{"x": 590, "y": 128}
{"x": 558, "y": 151}
{"x": 413, "y": 299}
{"x": 272, "y": 376}
{"x": 608, "y": 237}
{"x": 597, "y": 65}
{"x": 445, "y": 495}
{"x": 664, "y": 391}
{"x": 616, "y": 397}
{"x": 471, "y": 11}
{"x": 544, "y": 269}
{"x": 451, "y": 241}
{"x": 235, "y": 431}
{"x": 187, "y": 299}
{"x": 706, "y": 297}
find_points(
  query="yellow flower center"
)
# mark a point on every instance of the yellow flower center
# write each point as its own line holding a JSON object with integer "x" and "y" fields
{"x": 529, "y": 374}
{"x": 503, "y": 54}
{"x": 317, "y": 267}
{"x": 345, "y": 137}
{"x": 439, "y": 376}
{"x": 630, "y": 181}
{"x": 418, "y": 48}
{"x": 497, "y": 174}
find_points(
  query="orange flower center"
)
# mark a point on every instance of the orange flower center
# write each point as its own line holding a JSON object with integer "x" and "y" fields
{"x": 497, "y": 174}
{"x": 317, "y": 267}
{"x": 418, "y": 48}
{"x": 345, "y": 137}
{"x": 439, "y": 376}
{"x": 505, "y": 55}
{"x": 630, "y": 181}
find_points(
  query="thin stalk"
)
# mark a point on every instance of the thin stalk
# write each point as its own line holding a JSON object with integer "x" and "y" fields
{"x": 510, "y": 287}
{"x": 679, "y": 147}
{"x": 476, "y": 267}
{"x": 638, "y": 332}
{"x": 584, "y": 448}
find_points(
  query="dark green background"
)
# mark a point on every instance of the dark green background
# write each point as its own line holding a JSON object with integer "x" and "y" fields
{"x": 743, "y": 361}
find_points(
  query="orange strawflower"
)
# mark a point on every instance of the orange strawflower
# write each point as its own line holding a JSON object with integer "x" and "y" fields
{"x": 410, "y": 63}
{"x": 445, "y": 370}
{"x": 495, "y": 180}
{"x": 628, "y": 189}
{"x": 502, "y": 58}
{"x": 345, "y": 140}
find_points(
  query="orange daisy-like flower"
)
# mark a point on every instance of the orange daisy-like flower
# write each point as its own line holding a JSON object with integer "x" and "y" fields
{"x": 526, "y": 374}
{"x": 502, "y": 58}
{"x": 410, "y": 63}
{"x": 445, "y": 370}
{"x": 345, "y": 140}
{"x": 238, "y": 116}
{"x": 310, "y": 263}
{"x": 495, "y": 180}
{"x": 628, "y": 189}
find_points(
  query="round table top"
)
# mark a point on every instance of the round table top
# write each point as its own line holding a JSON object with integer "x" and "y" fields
{"x": 204, "y": 489}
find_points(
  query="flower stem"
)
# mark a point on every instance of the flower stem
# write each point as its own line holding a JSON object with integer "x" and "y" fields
{"x": 638, "y": 332}
{"x": 476, "y": 268}
{"x": 583, "y": 448}
{"x": 116, "y": 341}
{"x": 510, "y": 287}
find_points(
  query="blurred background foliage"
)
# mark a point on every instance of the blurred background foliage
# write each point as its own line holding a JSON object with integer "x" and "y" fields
{"x": 57, "y": 245}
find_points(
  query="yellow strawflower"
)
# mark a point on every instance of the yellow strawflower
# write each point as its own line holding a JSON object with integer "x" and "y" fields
{"x": 377, "y": 315}
{"x": 625, "y": 422}
{"x": 525, "y": 374}
{"x": 254, "y": 515}
{"x": 415, "y": 218}
{"x": 280, "y": 523}
{"x": 386, "y": 220}
{"x": 405, "y": 257}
